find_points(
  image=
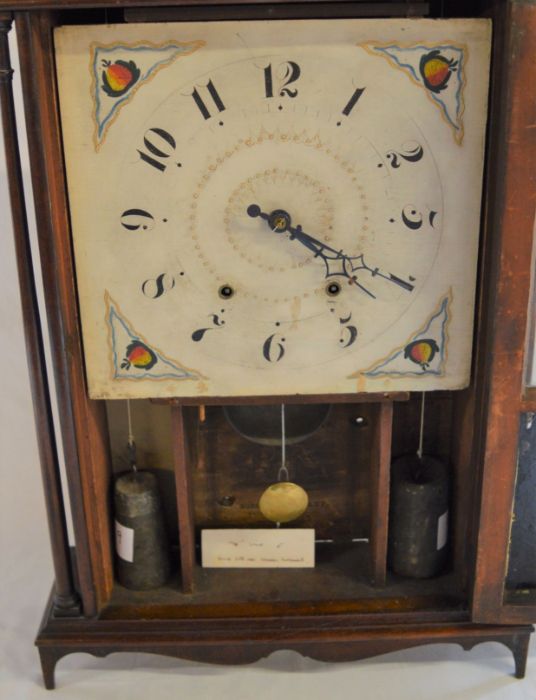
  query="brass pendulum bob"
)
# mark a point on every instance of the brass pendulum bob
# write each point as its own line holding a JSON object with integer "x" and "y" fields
{"x": 283, "y": 501}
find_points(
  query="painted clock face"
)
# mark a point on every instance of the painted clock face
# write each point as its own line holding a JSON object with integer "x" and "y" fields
{"x": 254, "y": 215}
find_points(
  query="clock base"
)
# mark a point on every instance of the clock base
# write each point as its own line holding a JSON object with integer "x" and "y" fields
{"x": 230, "y": 641}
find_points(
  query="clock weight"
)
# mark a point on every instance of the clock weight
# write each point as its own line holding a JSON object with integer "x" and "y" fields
{"x": 141, "y": 544}
{"x": 142, "y": 560}
{"x": 419, "y": 517}
{"x": 419, "y": 513}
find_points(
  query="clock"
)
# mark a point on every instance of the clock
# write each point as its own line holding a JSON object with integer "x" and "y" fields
{"x": 257, "y": 215}
{"x": 240, "y": 209}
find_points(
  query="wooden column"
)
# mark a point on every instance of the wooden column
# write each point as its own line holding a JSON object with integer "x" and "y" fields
{"x": 184, "y": 486}
{"x": 380, "y": 465}
{"x": 66, "y": 601}
{"x": 83, "y": 421}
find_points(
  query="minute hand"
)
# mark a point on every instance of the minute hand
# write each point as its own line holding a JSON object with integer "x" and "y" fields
{"x": 319, "y": 249}
{"x": 339, "y": 264}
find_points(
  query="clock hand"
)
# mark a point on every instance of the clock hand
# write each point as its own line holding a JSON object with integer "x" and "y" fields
{"x": 336, "y": 261}
{"x": 279, "y": 221}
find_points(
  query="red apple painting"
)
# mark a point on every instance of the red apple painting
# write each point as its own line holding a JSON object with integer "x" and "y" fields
{"x": 118, "y": 77}
{"x": 140, "y": 356}
{"x": 422, "y": 352}
{"x": 436, "y": 70}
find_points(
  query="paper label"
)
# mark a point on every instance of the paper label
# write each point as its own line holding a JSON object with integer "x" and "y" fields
{"x": 124, "y": 542}
{"x": 442, "y": 530}
{"x": 258, "y": 549}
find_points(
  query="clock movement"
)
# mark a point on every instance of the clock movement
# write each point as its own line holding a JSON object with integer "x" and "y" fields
{"x": 286, "y": 259}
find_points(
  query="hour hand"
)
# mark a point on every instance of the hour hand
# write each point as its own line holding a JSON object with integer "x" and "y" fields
{"x": 280, "y": 221}
{"x": 336, "y": 261}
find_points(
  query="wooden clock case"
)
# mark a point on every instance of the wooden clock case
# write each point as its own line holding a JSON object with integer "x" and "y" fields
{"x": 350, "y": 606}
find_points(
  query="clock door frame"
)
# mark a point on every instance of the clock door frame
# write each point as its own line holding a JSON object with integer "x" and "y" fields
{"x": 504, "y": 345}
{"x": 84, "y": 431}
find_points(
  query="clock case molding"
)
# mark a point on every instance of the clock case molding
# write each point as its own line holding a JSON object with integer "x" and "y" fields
{"x": 86, "y": 612}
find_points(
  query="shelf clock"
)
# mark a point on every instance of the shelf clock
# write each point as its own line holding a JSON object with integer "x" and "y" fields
{"x": 246, "y": 209}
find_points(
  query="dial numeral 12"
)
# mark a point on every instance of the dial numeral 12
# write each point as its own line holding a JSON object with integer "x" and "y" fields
{"x": 290, "y": 73}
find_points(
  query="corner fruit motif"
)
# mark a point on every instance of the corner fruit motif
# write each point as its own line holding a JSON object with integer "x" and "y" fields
{"x": 436, "y": 70}
{"x": 140, "y": 356}
{"x": 421, "y": 352}
{"x": 119, "y": 76}
{"x": 439, "y": 70}
{"x": 133, "y": 357}
{"x": 119, "y": 70}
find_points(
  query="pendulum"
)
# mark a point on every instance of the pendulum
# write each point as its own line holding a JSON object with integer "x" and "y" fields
{"x": 283, "y": 501}
{"x": 418, "y": 520}
{"x": 142, "y": 553}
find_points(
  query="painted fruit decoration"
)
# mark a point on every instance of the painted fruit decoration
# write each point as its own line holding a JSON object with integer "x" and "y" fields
{"x": 118, "y": 77}
{"x": 436, "y": 70}
{"x": 138, "y": 355}
{"x": 422, "y": 352}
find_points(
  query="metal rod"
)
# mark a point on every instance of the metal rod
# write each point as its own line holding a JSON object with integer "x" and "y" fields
{"x": 66, "y": 601}
{"x": 282, "y": 474}
{"x": 283, "y": 438}
{"x": 131, "y": 443}
{"x": 421, "y": 427}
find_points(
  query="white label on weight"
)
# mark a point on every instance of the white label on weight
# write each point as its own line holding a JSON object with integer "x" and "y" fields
{"x": 124, "y": 542}
{"x": 442, "y": 529}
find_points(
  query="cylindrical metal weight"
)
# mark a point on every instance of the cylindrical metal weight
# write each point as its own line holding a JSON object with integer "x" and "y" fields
{"x": 418, "y": 520}
{"x": 142, "y": 552}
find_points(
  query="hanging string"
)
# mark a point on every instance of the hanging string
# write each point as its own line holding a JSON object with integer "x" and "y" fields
{"x": 131, "y": 444}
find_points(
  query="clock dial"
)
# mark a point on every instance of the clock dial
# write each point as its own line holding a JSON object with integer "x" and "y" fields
{"x": 275, "y": 219}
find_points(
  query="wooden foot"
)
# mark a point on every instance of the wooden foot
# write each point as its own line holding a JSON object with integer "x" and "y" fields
{"x": 520, "y": 650}
{"x": 49, "y": 659}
